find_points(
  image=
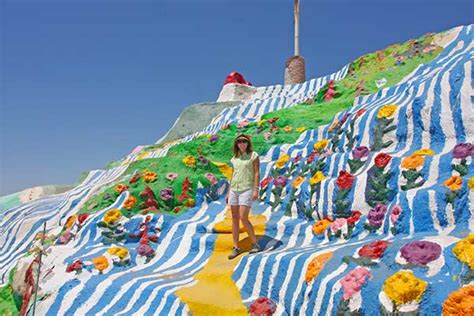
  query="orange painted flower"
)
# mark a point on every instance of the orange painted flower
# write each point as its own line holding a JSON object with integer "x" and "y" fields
{"x": 189, "y": 203}
{"x": 130, "y": 202}
{"x": 287, "y": 129}
{"x": 149, "y": 176}
{"x": 297, "y": 182}
{"x": 454, "y": 183}
{"x": 320, "y": 226}
{"x": 412, "y": 162}
{"x": 333, "y": 126}
{"x": 316, "y": 265}
{"x": 101, "y": 263}
{"x": 121, "y": 187}
{"x": 71, "y": 220}
{"x": 460, "y": 302}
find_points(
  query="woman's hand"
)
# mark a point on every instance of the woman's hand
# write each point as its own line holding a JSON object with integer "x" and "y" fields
{"x": 255, "y": 194}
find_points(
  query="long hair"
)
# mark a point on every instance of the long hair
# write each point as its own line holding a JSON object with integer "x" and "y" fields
{"x": 236, "y": 149}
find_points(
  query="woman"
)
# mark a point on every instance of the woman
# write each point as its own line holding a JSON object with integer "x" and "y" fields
{"x": 243, "y": 190}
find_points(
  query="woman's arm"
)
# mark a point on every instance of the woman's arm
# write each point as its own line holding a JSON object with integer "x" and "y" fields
{"x": 256, "y": 169}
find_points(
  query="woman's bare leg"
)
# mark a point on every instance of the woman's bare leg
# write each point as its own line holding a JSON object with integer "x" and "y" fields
{"x": 244, "y": 217}
{"x": 235, "y": 224}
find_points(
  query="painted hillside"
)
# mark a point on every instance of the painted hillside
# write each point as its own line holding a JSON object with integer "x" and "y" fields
{"x": 365, "y": 207}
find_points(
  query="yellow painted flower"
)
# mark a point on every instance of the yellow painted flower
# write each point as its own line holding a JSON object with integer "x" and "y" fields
{"x": 316, "y": 265}
{"x": 320, "y": 226}
{"x": 319, "y": 146}
{"x": 120, "y": 252}
{"x": 403, "y": 287}
{"x": 386, "y": 111}
{"x": 287, "y": 129}
{"x": 464, "y": 250}
{"x": 316, "y": 178}
{"x": 281, "y": 162}
{"x": 130, "y": 202}
{"x": 101, "y": 263}
{"x": 261, "y": 122}
{"x": 149, "y": 176}
{"x": 470, "y": 184}
{"x": 112, "y": 216}
{"x": 412, "y": 162}
{"x": 189, "y": 161}
{"x": 425, "y": 152}
{"x": 297, "y": 182}
{"x": 71, "y": 221}
{"x": 454, "y": 183}
{"x": 300, "y": 129}
{"x": 460, "y": 302}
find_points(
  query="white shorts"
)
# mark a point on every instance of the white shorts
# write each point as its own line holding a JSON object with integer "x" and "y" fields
{"x": 241, "y": 197}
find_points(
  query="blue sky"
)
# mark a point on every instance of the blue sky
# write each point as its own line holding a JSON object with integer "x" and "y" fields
{"x": 84, "y": 82}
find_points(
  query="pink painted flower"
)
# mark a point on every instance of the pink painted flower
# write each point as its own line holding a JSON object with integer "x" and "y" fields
{"x": 267, "y": 135}
{"x": 353, "y": 281}
{"x": 395, "y": 213}
{"x": 338, "y": 224}
{"x": 243, "y": 123}
{"x": 171, "y": 176}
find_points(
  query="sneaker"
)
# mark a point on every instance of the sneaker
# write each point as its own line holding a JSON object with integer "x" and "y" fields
{"x": 235, "y": 252}
{"x": 255, "y": 248}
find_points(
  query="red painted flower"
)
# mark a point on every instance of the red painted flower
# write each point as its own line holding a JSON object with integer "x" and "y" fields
{"x": 75, "y": 266}
{"x": 262, "y": 306}
{"x": 374, "y": 250}
{"x": 273, "y": 119}
{"x": 381, "y": 160}
{"x": 355, "y": 216}
{"x": 344, "y": 180}
{"x": 82, "y": 218}
{"x": 135, "y": 178}
{"x": 360, "y": 112}
{"x": 297, "y": 159}
{"x": 265, "y": 182}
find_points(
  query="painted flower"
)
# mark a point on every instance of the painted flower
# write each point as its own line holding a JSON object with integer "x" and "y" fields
{"x": 267, "y": 135}
{"x": 135, "y": 178}
{"x": 376, "y": 215}
{"x": 338, "y": 224}
{"x": 287, "y": 129}
{"x": 297, "y": 182}
{"x": 320, "y": 145}
{"x": 112, "y": 216}
{"x": 420, "y": 252}
{"x": 213, "y": 138}
{"x": 82, "y": 218}
{"x": 460, "y": 302}
{"x": 360, "y": 152}
{"x": 333, "y": 126}
{"x": 320, "y": 226}
{"x": 120, "y": 252}
{"x": 280, "y": 182}
{"x": 386, "y": 111}
{"x": 412, "y": 162}
{"x": 190, "y": 202}
{"x": 166, "y": 194}
{"x": 70, "y": 221}
{"x": 212, "y": 178}
{"x": 382, "y": 160}
{"x": 265, "y": 182}
{"x": 273, "y": 128}
{"x": 130, "y": 202}
{"x": 463, "y": 150}
{"x": 395, "y": 213}
{"x": 425, "y": 152}
{"x": 261, "y": 122}
{"x": 297, "y": 159}
{"x": 316, "y": 265}
{"x": 344, "y": 180}
{"x": 243, "y": 123}
{"x": 470, "y": 183}
{"x": 281, "y": 162}
{"x": 300, "y": 129}
{"x": 204, "y": 161}
{"x": 317, "y": 177}
{"x": 101, "y": 263}
{"x": 344, "y": 118}
{"x": 353, "y": 281}
{"x": 189, "y": 161}
{"x": 403, "y": 287}
{"x": 464, "y": 250}
{"x": 75, "y": 266}
{"x": 262, "y": 306}
{"x": 273, "y": 120}
{"x": 145, "y": 250}
{"x": 149, "y": 176}
{"x": 454, "y": 183}
{"x": 171, "y": 176}
{"x": 355, "y": 216}
{"x": 121, "y": 188}
{"x": 360, "y": 112}
{"x": 374, "y": 250}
